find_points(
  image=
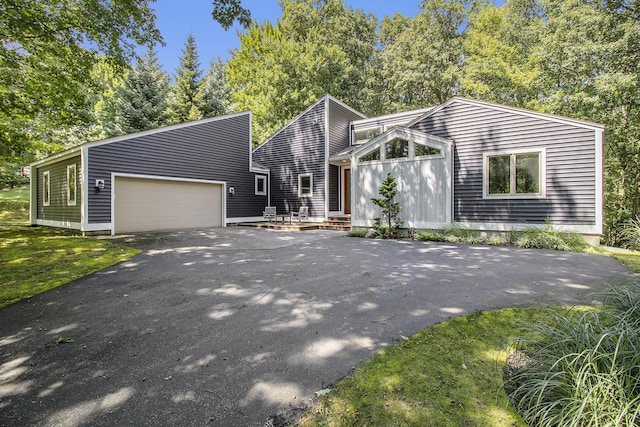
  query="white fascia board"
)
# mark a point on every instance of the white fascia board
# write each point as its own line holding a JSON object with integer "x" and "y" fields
{"x": 326, "y": 157}
{"x": 84, "y": 187}
{"x": 342, "y": 104}
{"x": 57, "y": 157}
{"x": 599, "y": 184}
{"x": 33, "y": 195}
{"x": 376, "y": 119}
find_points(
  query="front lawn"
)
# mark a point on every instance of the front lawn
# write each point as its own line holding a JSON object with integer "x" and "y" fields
{"x": 34, "y": 260}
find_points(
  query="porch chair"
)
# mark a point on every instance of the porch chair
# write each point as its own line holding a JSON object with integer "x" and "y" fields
{"x": 269, "y": 213}
{"x": 301, "y": 215}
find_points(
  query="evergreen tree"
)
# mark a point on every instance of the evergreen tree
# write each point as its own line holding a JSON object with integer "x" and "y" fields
{"x": 389, "y": 224}
{"x": 214, "y": 92}
{"x": 186, "y": 98}
{"x": 143, "y": 98}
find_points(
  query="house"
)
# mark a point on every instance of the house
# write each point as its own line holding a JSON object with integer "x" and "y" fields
{"x": 475, "y": 164}
{"x": 194, "y": 174}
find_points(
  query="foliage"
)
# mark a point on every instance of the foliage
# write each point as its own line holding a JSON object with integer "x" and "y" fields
{"x": 358, "y": 232}
{"x": 186, "y": 98}
{"x": 317, "y": 47}
{"x": 445, "y": 375}
{"x": 214, "y": 92}
{"x": 142, "y": 102}
{"x": 583, "y": 367}
{"x": 389, "y": 224}
{"x": 547, "y": 238}
{"x": 630, "y": 234}
{"x": 226, "y": 12}
{"x": 47, "y": 53}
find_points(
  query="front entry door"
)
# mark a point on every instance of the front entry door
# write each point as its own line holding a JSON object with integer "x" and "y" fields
{"x": 346, "y": 186}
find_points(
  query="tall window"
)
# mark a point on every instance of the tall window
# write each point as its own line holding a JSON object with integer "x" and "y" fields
{"x": 46, "y": 188}
{"x": 261, "y": 185}
{"x": 513, "y": 174}
{"x": 71, "y": 185}
{"x": 305, "y": 185}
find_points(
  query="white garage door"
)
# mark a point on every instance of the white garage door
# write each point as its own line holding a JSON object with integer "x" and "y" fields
{"x": 150, "y": 204}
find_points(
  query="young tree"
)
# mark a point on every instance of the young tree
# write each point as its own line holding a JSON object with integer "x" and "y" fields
{"x": 214, "y": 92}
{"x": 186, "y": 99}
{"x": 143, "y": 98}
{"x": 389, "y": 224}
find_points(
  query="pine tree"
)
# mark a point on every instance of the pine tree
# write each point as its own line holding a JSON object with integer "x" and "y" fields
{"x": 214, "y": 92}
{"x": 390, "y": 210}
{"x": 143, "y": 98}
{"x": 186, "y": 98}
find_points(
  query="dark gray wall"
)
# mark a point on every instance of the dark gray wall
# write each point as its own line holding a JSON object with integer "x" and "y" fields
{"x": 570, "y": 164}
{"x": 216, "y": 150}
{"x": 298, "y": 148}
{"x": 340, "y": 118}
{"x": 58, "y": 210}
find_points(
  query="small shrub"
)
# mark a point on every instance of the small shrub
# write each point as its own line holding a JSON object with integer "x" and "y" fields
{"x": 388, "y": 226}
{"x": 430, "y": 236}
{"x": 547, "y": 238}
{"x": 630, "y": 234}
{"x": 496, "y": 241}
{"x": 358, "y": 232}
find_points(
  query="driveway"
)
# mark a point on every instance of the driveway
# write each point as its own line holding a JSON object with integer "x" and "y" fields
{"x": 229, "y": 326}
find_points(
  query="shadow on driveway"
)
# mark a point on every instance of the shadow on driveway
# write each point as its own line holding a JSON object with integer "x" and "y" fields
{"x": 230, "y": 326}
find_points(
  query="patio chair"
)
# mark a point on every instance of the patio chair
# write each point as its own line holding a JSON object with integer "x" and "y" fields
{"x": 301, "y": 215}
{"x": 269, "y": 213}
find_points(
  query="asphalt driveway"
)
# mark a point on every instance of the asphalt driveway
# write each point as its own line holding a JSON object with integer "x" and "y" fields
{"x": 230, "y": 326}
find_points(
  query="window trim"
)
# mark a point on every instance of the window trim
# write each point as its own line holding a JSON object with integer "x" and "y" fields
{"x": 72, "y": 202}
{"x": 262, "y": 178}
{"x": 46, "y": 188}
{"x": 300, "y": 178}
{"x": 512, "y": 174}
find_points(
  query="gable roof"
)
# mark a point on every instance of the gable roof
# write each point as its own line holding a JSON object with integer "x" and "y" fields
{"x": 134, "y": 135}
{"x": 510, "y": 109}
{"x": 324, "y": 99}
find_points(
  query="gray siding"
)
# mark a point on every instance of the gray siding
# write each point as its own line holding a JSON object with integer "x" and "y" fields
{"x": 58, "y": 209}
{"x": 340, "y": 118}
{"x": 298, "y": 148}
{"x": 570, "y": 164}
{"x": 216, "y": 150}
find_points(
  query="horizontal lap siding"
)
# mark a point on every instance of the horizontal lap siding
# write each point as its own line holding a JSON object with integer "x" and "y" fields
{"x": 213, "y": 151}
{"x": 340, "y": 118}
{"x": 570, "y": 164}
{"x": 297, "y": 149}
{"x": 58, "y": 209}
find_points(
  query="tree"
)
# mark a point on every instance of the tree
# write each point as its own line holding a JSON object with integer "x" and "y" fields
{"x": 143, "y": 98}
{"x": 420, "y": 60}
{"x": 186, "y": 98}
{"x": 214, "y": 92}
{"x": 47, "y": 52}
{"x": 501, "y": 64}
{"x": 389, "y": 224}
{"x": 318, "y": 47}
{"x": 226, "y": 12}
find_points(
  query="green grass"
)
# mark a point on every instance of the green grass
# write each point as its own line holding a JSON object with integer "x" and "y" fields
{"x": 35, "y": 260}
{"x": 449, "y": 374}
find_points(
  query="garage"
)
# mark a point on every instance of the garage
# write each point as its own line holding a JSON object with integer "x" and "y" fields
{"x": 145, "y": 204}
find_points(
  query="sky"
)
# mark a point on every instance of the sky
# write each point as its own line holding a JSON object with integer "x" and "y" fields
{"x": 176, "y": 19}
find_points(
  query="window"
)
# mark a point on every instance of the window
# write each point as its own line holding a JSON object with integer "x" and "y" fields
{"x": 46, "y": 188}
{"x": 71, "y": 185}
{"x": 373, "y": 155}
{"x": 424, "y": 150}
{"x": 305, "y": 185}
{"x": 261, "y": 185}
{"x": 514, "y": 174}
{"x": 364, "y": 135}
{"x": 397, "y": 148}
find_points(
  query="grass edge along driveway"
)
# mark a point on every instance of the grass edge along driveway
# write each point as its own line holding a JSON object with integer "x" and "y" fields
{"x": 35, "y": 260}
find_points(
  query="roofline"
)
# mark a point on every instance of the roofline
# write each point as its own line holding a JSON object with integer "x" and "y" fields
{"x": 508, "y": 108}
{"x": 163, "y": 129}
{"x": 342, "y": 104}
{"x": 89, "y": 144}
{"x": 392, "y": 115}
{"x": 326, "y": 97}
{"x": 399, "y": 129}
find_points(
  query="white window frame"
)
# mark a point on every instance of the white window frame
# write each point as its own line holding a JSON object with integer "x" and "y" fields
{"x": 300, "y": 190}
{"x": 46, "y": 188}
{"x": 263, "y": 179}
{"x": 70, "y": 201}
{"x": 513, "y": 195}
